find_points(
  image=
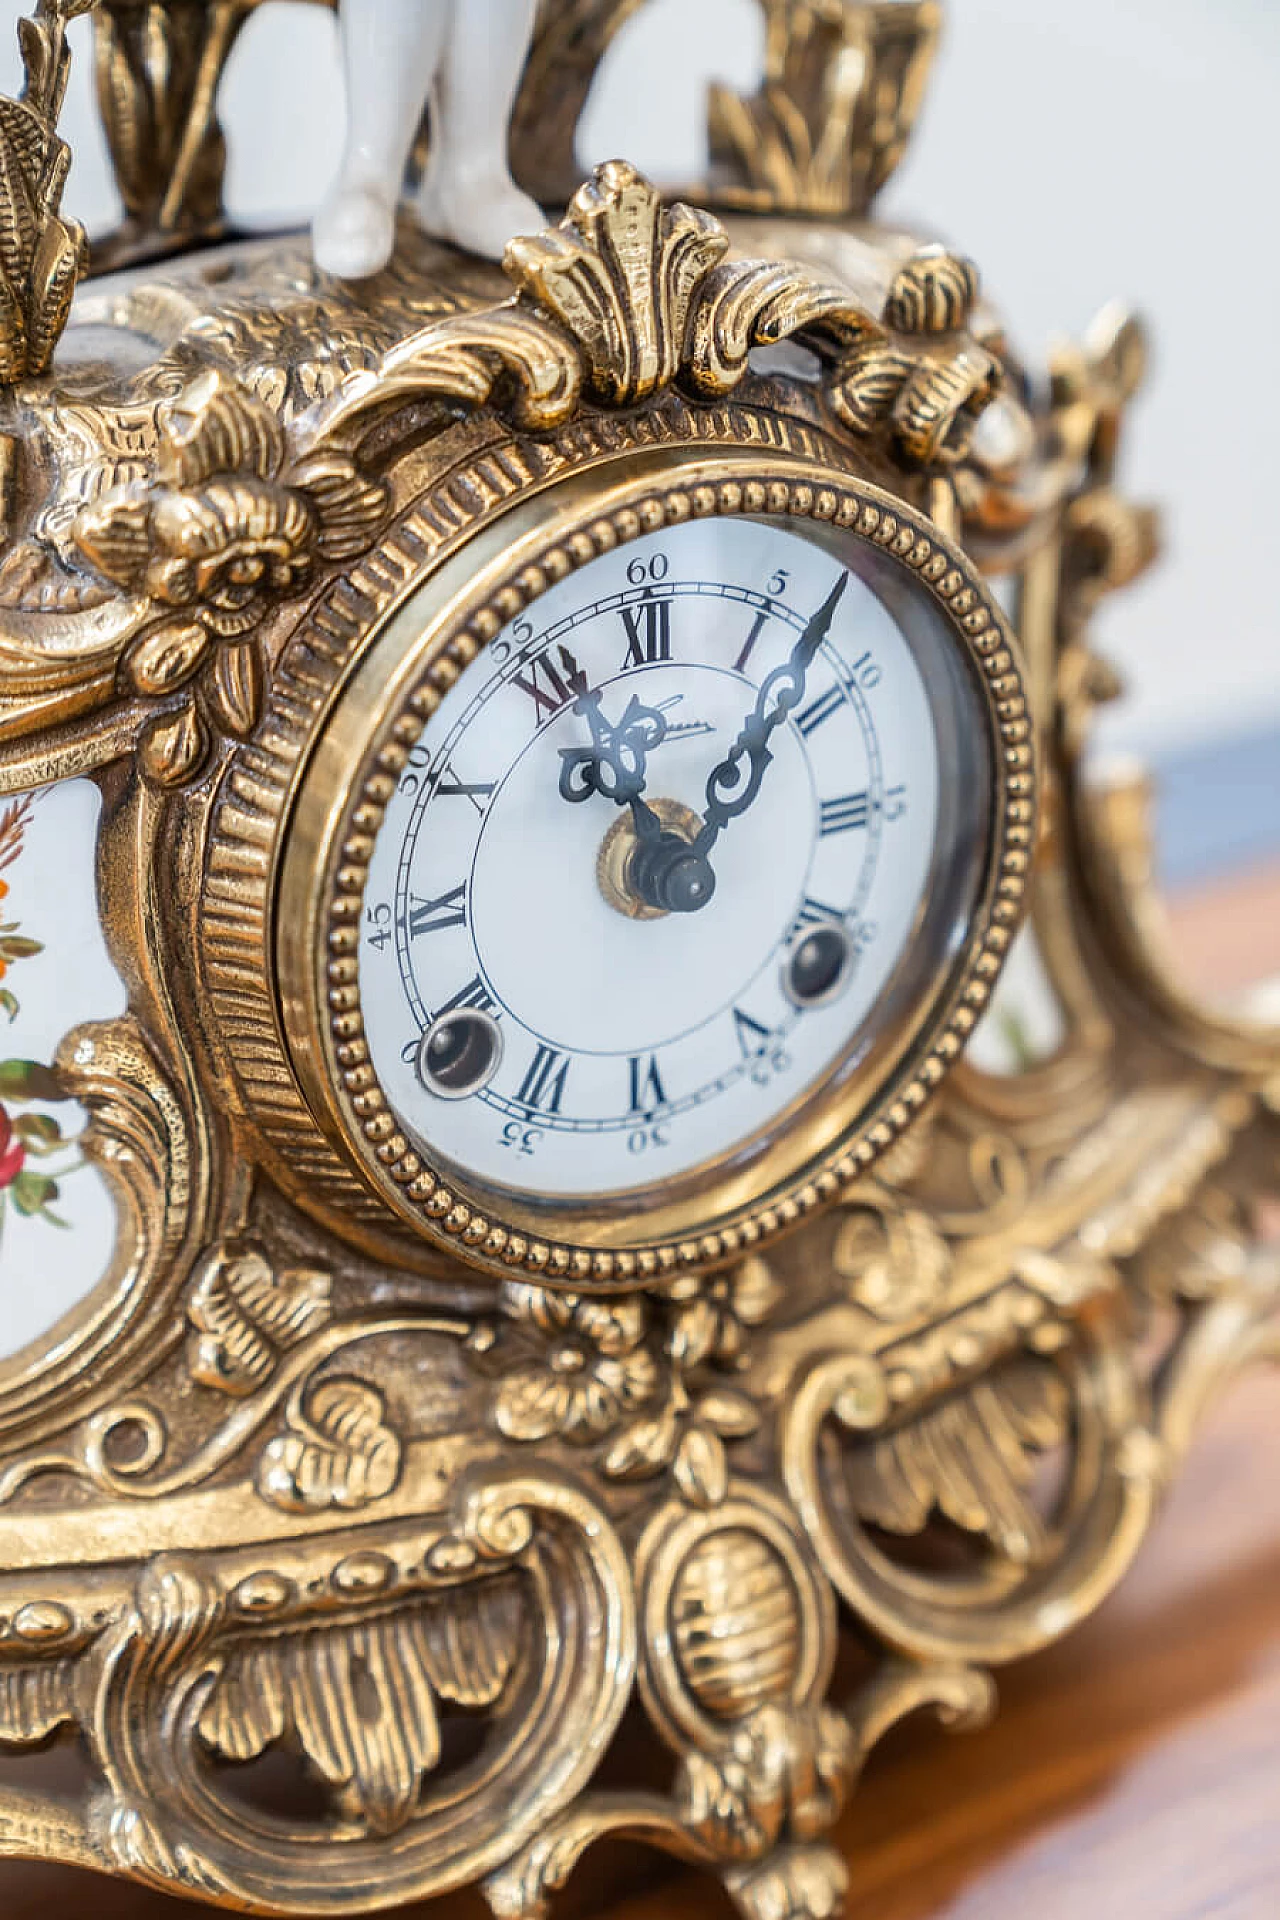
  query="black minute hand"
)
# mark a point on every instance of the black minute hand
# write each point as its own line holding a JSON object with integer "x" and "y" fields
{"x": 730, "y": 789}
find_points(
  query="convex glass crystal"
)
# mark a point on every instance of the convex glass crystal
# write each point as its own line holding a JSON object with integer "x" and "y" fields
{"x": 666, "y": 856}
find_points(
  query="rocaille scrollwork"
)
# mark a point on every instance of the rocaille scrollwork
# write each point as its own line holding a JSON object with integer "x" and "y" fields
{"x": 447, "y": 1535}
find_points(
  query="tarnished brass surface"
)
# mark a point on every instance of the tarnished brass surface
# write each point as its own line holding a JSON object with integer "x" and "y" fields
{"x": 301, "y": 1479}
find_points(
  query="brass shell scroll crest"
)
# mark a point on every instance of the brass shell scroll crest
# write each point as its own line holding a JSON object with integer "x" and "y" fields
{"x": 620, "y": 274}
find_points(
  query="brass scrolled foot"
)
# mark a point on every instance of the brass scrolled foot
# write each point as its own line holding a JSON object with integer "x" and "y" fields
{"x": 795, "y": 1883}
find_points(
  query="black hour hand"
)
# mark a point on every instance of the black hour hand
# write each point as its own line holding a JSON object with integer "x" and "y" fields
{"x": 615, "y": 765}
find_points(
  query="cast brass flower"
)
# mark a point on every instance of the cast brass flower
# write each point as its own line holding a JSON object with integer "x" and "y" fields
{"x": 227, "y": 526}
{"x": 590, "y": 1370}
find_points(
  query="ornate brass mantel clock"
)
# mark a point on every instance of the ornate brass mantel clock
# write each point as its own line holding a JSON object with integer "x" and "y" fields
{"x": 548, "y": 764}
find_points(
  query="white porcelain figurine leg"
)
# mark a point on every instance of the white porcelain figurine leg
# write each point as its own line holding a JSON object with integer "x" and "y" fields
{"x": 468, "y": 195}
{"x": 392, "y": 51}
{"x": 468, "y": 55}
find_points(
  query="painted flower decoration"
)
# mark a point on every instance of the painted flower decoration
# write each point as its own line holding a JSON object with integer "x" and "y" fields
{"x": 228, "y": 526}
{"x": 591, "y": 1368}
{"x": 15, "y": 818}
{"x": 13, "y": 1154}
{"x": 35, "y": 1155}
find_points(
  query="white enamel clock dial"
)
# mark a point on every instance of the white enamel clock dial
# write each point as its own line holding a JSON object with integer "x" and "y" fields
{"x": 656, "y": 861}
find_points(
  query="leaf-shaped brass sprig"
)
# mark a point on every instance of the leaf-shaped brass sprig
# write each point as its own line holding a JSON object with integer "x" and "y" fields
{"x": 42, "y": 256}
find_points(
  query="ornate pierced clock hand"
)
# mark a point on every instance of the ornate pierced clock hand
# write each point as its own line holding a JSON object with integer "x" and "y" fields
{"x": 676, "y": 876}
{"x": 615, "y": 764}
{"x": 665, "y": 871}
{"x": 728, "y": 793}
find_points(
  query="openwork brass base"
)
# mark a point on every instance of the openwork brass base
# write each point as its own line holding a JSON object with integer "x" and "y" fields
{"x": 444, "y": 1526}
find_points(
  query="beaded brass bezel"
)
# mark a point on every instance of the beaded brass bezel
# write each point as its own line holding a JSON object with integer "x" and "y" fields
{"x": 593, "y": 513}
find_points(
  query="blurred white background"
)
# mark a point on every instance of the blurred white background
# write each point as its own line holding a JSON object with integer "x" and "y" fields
{"x": 1078, "y": 149}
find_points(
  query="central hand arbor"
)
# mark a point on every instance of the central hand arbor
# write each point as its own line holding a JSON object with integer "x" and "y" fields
{"x": 667, "y": 871}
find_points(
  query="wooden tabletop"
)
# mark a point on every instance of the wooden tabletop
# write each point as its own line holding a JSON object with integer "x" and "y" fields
{"x": 1133, "y": 1773}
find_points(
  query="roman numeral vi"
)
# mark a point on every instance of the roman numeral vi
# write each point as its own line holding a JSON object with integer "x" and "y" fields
{"x": 646, "y": 1086}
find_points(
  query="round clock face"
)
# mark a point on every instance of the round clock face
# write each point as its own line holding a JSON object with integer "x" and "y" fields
{"x": 676, "y": 850}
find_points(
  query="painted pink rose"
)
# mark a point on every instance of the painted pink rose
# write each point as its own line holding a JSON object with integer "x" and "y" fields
{"x": 13, "y": 1155}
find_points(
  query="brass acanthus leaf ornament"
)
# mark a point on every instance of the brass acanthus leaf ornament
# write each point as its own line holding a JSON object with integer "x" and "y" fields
{"x": 843, "y": 84}
{"x": 339, "y": 1451}
{"x": 245, "y": 1316}
{"x": 923, "y": 375}
{"x": 42, "y": 256}
{"x": 632, "y": 333}
{"x": 629, "y": 297}
{"x": 227, "y": 525}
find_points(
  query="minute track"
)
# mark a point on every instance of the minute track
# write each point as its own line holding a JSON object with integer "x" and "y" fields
{"x": 601, "y": 988}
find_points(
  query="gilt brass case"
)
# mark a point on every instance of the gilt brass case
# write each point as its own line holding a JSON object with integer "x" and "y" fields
{"x": 455, "y": 1502}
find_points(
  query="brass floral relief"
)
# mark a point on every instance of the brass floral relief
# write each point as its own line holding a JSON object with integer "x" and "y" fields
{"x": 225, "y": 527}
{"x": 446, "y": 1540}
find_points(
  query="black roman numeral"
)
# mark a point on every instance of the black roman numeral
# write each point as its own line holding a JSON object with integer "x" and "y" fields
{"x": 553, "y": 679}
{"x": 648, "y": 628}
{"x": 474, "y": 994}
{"x": 841, "y": 816}
{"x": 752, "y": 1037}
{"x": 543, "y": 1086}
{"x": 447, "y": 786}
{"x": 819, "y": 710}
{"x": 814, "y": 913}
{"x": 437, "y": 916}
{"x": 646, "y": 1086}
{"x": 761, "y": 622}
